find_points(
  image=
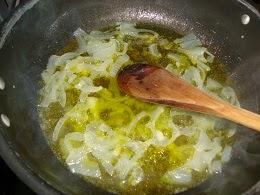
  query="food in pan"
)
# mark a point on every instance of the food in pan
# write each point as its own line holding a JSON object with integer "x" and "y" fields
{"x": 118, "y": 142}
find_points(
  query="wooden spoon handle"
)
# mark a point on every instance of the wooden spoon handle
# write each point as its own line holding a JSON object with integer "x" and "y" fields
{"x": 220, "y": 108}
{"x": 213, "y": 106}
{"x": 241, "y": 116}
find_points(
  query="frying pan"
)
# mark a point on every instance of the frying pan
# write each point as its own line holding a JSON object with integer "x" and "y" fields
{"x": 40, "y": 28}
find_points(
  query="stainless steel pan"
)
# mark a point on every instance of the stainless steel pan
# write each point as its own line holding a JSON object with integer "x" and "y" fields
{"x": 39, "y": 28}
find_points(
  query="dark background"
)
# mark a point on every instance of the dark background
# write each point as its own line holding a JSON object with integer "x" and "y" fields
{"x": 10, "y": 184}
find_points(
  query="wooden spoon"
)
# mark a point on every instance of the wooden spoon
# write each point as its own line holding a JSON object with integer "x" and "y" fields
{"x": 154, "y": 84}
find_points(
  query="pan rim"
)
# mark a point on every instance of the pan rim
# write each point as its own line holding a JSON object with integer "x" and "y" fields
{"x": 20, "y": 168}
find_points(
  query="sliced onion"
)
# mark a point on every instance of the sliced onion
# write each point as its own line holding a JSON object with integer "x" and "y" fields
{"x": 226, "y": 154}
{"x": 178, "y": 176}
{"x": 154, "y": 50}
{"x": 215, "y": 167}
